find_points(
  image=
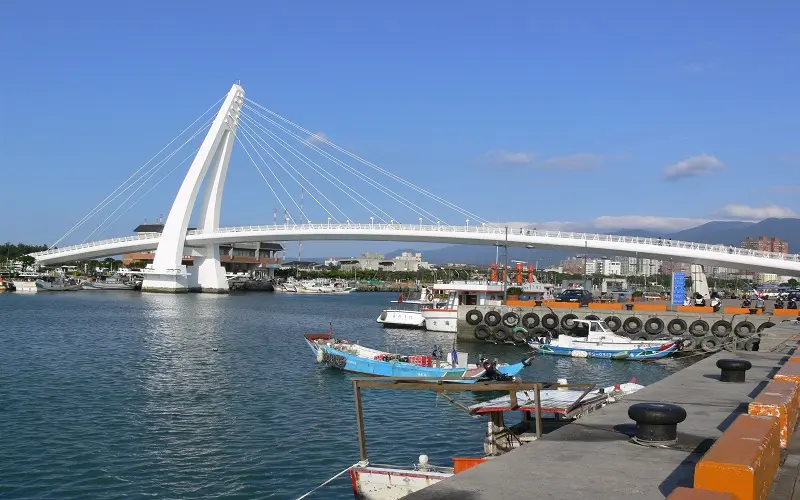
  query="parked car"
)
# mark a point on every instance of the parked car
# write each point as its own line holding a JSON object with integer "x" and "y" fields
{"x": 583, "y": 297}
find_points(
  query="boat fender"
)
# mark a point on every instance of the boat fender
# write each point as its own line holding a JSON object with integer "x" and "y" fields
{"x": 568, "y": 321}
{"x": 699, "y": 328}
{"x": 482, "y": 332}
{"x": 429, "y": 296}
{"x": 632, "y": 325}
{"x": 614, "y": 323}
{"x": 519, "y": 334}
{"x": 764, "y": 326}
{"x": 492, "y": 318}
{"x": 744, "y": 329}
{"x": 530, "y": 320}
{"x": 677, "y": 326}
{"x": 550, "y": 321}
{"x": 474, "y": 317}
{"x": 721, "y": 328}
{"x": 654, "y": 325}
{"x": 501, "y": 334}
{"x": 510, "y": 319}
{"x": 320, "y": 355}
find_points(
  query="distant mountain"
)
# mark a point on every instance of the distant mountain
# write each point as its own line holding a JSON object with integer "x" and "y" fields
{"x": 722, "y": 232}
{"x": 733, "y": 233}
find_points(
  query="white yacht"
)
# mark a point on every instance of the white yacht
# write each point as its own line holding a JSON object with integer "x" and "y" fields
{"x": 475, "y": 293}
{"x": 314, "y": 286}
{"x": 408, "y": 312}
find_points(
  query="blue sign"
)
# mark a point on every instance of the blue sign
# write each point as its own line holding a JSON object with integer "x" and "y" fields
{"x": 678, "y": 288}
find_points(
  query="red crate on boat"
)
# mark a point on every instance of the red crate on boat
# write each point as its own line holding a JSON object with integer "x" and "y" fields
{"x": 428, "y": 361}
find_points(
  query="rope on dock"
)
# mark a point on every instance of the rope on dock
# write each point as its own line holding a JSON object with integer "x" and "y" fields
{"x": 363, "y": 463}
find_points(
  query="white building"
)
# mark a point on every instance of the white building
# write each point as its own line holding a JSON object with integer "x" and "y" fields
{"x": 610, "y": 267}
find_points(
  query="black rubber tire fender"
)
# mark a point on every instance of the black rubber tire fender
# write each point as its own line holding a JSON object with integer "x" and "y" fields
{"x": 592, "y": 317}
{"x": 752, "y": 344}
{"x": 744, "y": 329}
{"x": 688, "y": 343}
{"x": 510, "y": 319}
{"x": 710, "y": 344}
{"x": 568, "y": 321}
{"x": 764, "y": 326}
{"x": 614, "y": 323}
{"x": 677, "y": 326}
{"x": 482, "y": 332}
{"x": 530, "y": 320}
{"x": 632, "y": 325}
{"x": 519, "y": 334}
{"x": 492, "y": 318}
{"x": 654, "y": 325}
{"x": 538, "y": 331}
{"x": 550, "y": 321}
{"x": 641, "y": 337}
{"x": 501, "y": 334}
{"x": 699, "y": 328}
{"x": 721, "y": 328}
{"x": 474, "y": 317}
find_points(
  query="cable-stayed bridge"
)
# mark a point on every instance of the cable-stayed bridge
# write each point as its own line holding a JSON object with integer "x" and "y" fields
{"x": 287, "y": 155}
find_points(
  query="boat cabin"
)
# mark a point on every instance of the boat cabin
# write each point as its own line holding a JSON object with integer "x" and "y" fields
{"x": 488, "y": 293}
{"x": 591, "y": 330}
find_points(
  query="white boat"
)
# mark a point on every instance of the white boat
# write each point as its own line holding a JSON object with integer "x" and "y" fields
{"x": 314, "y": 286}
{"x": 393, "y": 482}
{"x": 57, "y": 285}
{"x": 594, "y": 339}
{"x": 474, "y": 293}
{"x": 408, "y": 313}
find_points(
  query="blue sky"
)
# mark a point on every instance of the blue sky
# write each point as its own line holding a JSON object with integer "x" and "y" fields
{"x": 584, "y": 114}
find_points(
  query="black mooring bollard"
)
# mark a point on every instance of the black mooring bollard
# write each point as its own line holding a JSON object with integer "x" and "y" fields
{"x": 656, "y": 423}
{"x": 733, "y": 369}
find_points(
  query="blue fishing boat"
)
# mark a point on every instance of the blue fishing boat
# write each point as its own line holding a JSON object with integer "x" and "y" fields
{"x": 344, "y": 355}
{"x": 594, "y": 339}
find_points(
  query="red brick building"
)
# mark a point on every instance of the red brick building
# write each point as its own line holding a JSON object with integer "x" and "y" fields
{"x": 766, "y": 244}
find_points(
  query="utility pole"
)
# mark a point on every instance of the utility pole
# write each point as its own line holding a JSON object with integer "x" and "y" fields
{"x": 505, "y": 268}
{"x": 585, "y": 252}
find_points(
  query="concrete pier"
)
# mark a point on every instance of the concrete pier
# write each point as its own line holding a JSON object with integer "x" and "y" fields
{"x": 594, "y": 457}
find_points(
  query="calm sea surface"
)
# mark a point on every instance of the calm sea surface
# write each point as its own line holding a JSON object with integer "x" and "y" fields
{"x": 121, "y": 394}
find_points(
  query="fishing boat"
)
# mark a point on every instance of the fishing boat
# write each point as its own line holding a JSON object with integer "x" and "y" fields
{"x": 344, "y": 355}
{"x": 109, "y": 283}
{"x": 409, "y": 310}
{"x": 594, "y": 339}
{"x": 57, "y": 285}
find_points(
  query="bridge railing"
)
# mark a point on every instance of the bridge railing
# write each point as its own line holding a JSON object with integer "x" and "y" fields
{"x": 493, "y": 230}
{"x": 500, "y": 232}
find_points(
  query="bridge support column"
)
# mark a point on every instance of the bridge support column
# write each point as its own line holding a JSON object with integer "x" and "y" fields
{"x": 166, "y": 273}
{"x": 207, "y": 274}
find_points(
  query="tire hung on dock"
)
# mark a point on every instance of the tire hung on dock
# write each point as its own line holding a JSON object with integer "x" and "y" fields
{"x": 654, "y": 325}
{"x": 764, "y": 326}
{"x": 677, "y": 326}
{"x": 614, "y": 323}
{"x": 744, "y": 329}
{"x": 482, "y": 332}
{"x": 550, "y": 321}
{"x": 492, "y": 318}
{"x": 568, "y": 321}
{"x": 721, "y": 328}
{"x": 632, "y": 325}
{"x": 519, "y": 334}
{"x": 474, "y": 317}
{"x": 530, "y": 320}
{"x": 501, "y": 333}
{"x": 699, "y": 328}
{"x": 510, "y": 319}
{"x": 710, "y": 344}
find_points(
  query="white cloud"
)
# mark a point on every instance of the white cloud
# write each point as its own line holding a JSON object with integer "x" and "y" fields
{"x": 502, "y": 157}
{"x": 317, "y": 137}
{"x": 756, "y": 213}
{"x": 693, "y": 167}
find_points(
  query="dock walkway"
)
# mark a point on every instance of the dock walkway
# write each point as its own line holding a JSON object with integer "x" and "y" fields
{"x": 593, "y": 457}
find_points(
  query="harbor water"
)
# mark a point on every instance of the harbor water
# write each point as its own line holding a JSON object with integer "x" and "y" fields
{"x": 122, "y": 394}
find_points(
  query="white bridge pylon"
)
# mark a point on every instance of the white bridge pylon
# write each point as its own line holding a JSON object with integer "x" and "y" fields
{"x": 167, "y": 274}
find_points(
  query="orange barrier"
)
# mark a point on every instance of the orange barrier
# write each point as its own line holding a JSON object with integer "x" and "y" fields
{"x": 650, "y": 307}
{"x": 744, "y": 460}
{"x": 606, "y": 306}
{"x": 794, "y": 359}
{"x": 693, "y": 494}
{"x": 789, "y": 372}
{"x": 778, "y": 399}
{"x": 695, "y": 309}
{"x": 563, "y": 305}
{"x": 460, "y": 464}
{"x": 737, "y": 310}
{"x": 521, "y": 303}
{"x": 786, "y": 312}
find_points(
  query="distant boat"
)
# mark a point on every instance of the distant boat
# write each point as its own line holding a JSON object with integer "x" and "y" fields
{"x": 408, "y": 313}
{"x": 57, "y": 285}
{"x": 110, "y": 283}
{"x": 594, "y": 339}
{"x": 356, "y": 358}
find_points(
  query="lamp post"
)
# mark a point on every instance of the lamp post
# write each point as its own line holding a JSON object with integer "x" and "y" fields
{"x": 505, "y": 268}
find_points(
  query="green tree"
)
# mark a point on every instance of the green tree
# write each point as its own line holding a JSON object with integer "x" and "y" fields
{"x": 793, "y": 282}
{"x": 26, "y": 261}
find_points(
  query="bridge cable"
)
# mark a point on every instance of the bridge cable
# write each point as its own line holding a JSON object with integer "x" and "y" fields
{"x": 163, "y": 178}
{"x": 265, "y": 143}
{"x": 146, "y": 177}
{"x": 376, "y": 184}
{"x": 255, "y": 150}
{"x": 265, "y": 179}
{"x": 102, "y": 204}
{"x": 375, "y": 167}
{"x": 320, "y": 170}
